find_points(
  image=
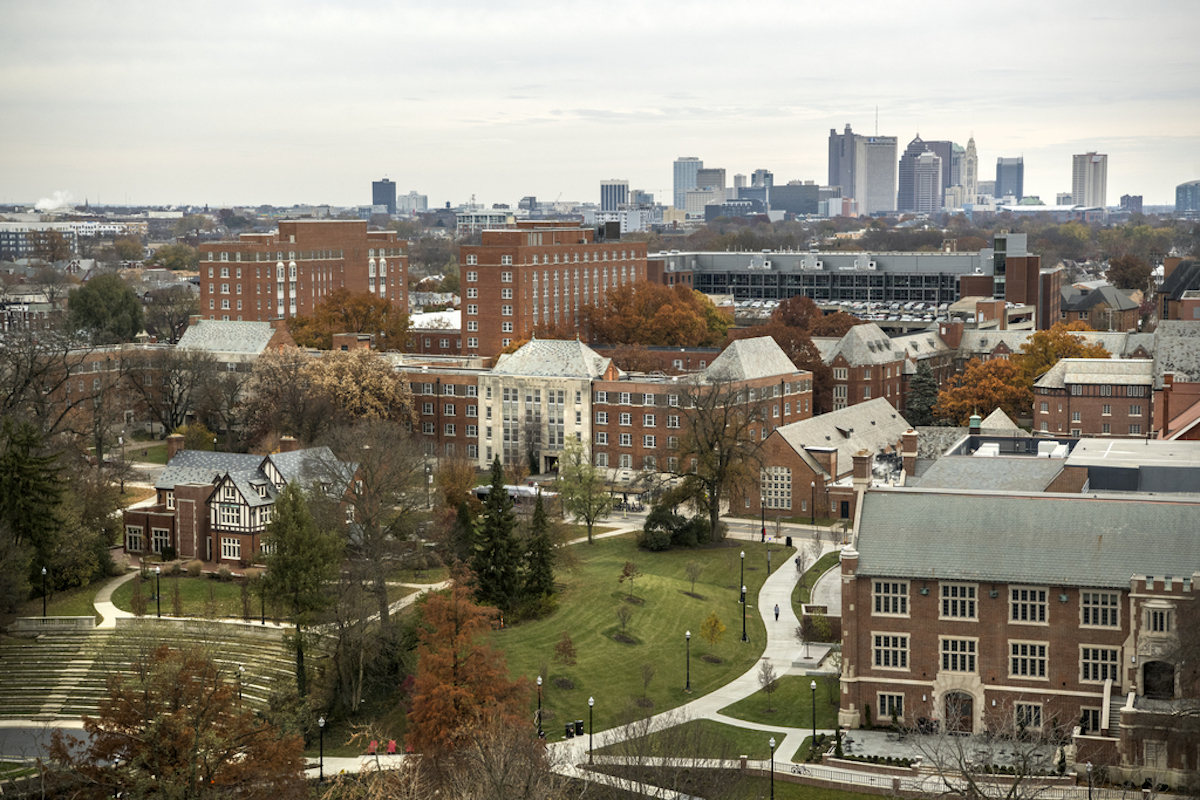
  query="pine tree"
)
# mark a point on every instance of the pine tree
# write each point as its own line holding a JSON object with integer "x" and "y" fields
{"x": 496, "y": 562}
{"x": 30, "y": 496}
{"x": 462, "y": 534}
{"x": 539, "y": 569}
{"x": 922, "y": 396}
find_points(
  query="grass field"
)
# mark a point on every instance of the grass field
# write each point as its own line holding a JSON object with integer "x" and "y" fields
{"x": 704, "y": 738}
{"x": 803, "y": 591}
{"x": 75, "y": 602}
{"x": 663, "y": 610}
{"x": 791, "y": 704}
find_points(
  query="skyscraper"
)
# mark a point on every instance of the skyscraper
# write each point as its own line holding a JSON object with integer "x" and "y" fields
{"x": 970, "y": 172}
{"x": 865, "y": 168}
{"x": 914, "y": 191}
{"x": 613, "y": 194}
{"x": 383, "y": 193}
{"x": 1187, "y": 197}
{"x": 685, "y": 178}
{"x": 1010, "y": 177}
{"x": 711, "y": 178}
{"x": 1089, "y": 179}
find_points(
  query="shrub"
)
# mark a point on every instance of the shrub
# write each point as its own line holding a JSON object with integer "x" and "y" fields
{"x": 223, "y": 574}
{"x": 174, "y": 568}
{"x": 193, "y": 568}
{"x": 866, "y": 715}
{"x": 655, "y": 540}
{"x": 168, "y": 553}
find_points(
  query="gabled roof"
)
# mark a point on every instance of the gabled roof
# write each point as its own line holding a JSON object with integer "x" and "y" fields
{"x": 1184, "y": 277}
{"x": 216, "y": 336}
{"x": 202, "y": 466}
{"x": 1032, "y": 538}
{"x": 553, "y": 358}
{"x": 976, "y": 341}
{"x": 873, "y": 426}
{"x": 998, "y": 423}
{"x": 1177, "y": 349}
{"x": 862, "y": 345}
{"x": 1075, "y": 300}
{"x": 748, "y": 359}
{"x": 1002, "y": 473}
{"x": 1122, "y": 371}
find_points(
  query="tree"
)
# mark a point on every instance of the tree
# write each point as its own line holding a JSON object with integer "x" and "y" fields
{"x": 280, "y": 401}
{"x": 197, "y": 436}
{"x": 539, "y": 568}
{"x": 581, "y": 487}
{"x": 461, "y": 682}
{"x": 360, "y": 384}
{"x": 1129, "y": 272}
{"x": 1044, "y": 349}
{"x": 628, "y": 573}
{"x": 30, "y": 494}
{"x": 173, "y": 726}
{"x": 168, "y": 311}
{"x": 652, "y": 314}
{"x": 302, "y": 562}
{"x": 129, "y": 248}
{"x": 496, "y": 561}
{"x": 169, "y": 381}
{"x": 768, "y": 680}
{"x": 106, "y": 310}
{"x": 219, "y": 402}
{"x": 712, "y": 629}
{"x": 176, "y": 256}
{"x": 982, "y": 388}
{"x": 693, "y": 569}
{"x": 624, "y": 614}
{"x": 49, "y": 246}
{"x": 343, "y": 311}
{"x": 564, "y": 650}
{"x": 648, "y": 671}
{"x": 922, "y": 396}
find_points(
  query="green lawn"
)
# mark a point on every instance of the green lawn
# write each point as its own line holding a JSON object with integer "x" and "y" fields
{"x": 791, "y": 704}
{"x": 611, "y": 671}
{"x": 700, "y": 738}
{"x": 149, "y": 452}
{"x": 803, "y": 591}
{"x": 75, "y": 602}
{"x": 201, "y": 597}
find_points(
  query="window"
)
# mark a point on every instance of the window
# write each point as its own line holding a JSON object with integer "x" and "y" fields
{"x": 601, "y": 417}
{"x": 776, "y": 486}
{"x": 133, "y": 539}
{"x": 1045, "y": 409}
{"x": 506, "y": 277}
{"x": 1135, "y": 391}
{"x": 626, "y": 440}
{"x": 1106, "y": 428}
{"x": 625, "y": 398}
{"x": 866, "y": 373}
{"x": 472, "y": 293}
{"x": 1106, "y": 410}
{"x": 230, "y": 513}
{"x": 159, "y": 539}
{"x": 448, "y": 389}
{"x": 506, "y": 311}
{"x": 1106, "y": 390}
{"x": 627, "y": 419}
{"x": 472, "y": 341}
{"x": 891, "y": 652}
{"x": 1027, "y": 605}
{"x": 506, "y": 294}
{"x": 450, "y": 429}
{"x": 648, "y": 420}
{"x": 427, "y": 408}
{"x": 506, "y": 260}
{"x": 1135, "y": 410}
{"x": 672, "y": 421}
{"x": 649, "y": 442}
{"x": 840, "y": 373}
{"x": 506, "y": 327}
{"x": 958, "y": 601}
{"x": 1028, "y": 715}
{"x": 1100, "y": 609}
{"x": 958, "y": 655}
{"x": 601, "y": 459}
{"x": 170, "y": 498}
{"x": 866, "y": 393}
{"x": 673, "y": 400}
{"x": 428, "y": 428}
{"x": 890, "y": 706}
{"x": 625, "y": 461}
{"x": 601, "y": 437}
{"x": 1135, "y": 430}
{"x": 891, "y": 598}
{"x": 472, "y": 431}
{"x": 601, "y": 397}
{"x": 1027, "y": 660}
{"x": 472, "y": 259}
{"x": 472, "y": 276}
{"x": 231, "y": 548}
{"x": 448, "y": 409}
{"x": 1075, "y": 416}
{"x": 472, "y": 309}
{"x": 1158, "y": 620}
{"x": 1089, "y": 720}
{"x": 1098, "y": 664}
{"x": 472, "y": 411}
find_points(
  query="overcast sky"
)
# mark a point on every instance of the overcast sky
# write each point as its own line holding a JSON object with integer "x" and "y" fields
{"x": 304, "y": 102}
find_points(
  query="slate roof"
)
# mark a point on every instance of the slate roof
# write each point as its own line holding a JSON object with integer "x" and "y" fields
{"x": 1073, "y": 299}
{"x": 1040, "y": 539}
{"x": 998, "y": 423}
{"x": 748, "y": 359}
{"x": 975, "y": 341}
{"x": 1185, "y": 277}
{"x": 863, "y": 345}
{"x": 933, "y": 440}
{"x": 1001, "y": 473}
{"x": 1117, "y": 371}
{"x": 201, "y": 466}
{"x": 246, "y": 470}
{"x": 553, "y": 358}
{"x": 873, "y": 426}
{"x": 1177, "y": 349}
{"x": 216, "y": 336}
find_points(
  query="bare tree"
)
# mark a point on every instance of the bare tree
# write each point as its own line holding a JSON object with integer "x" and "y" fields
{"x": 169, "y": 381}
{"x": 168, "y": 311}
{"x": 624, "y": 614}
{"x": 768, "y": 680}
{"x": 647, "y": 676}
{"x": 693, "y": 569}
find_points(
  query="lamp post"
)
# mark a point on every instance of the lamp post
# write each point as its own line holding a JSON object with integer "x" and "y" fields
{"x": 772, "y": 743}
{"x": 591, "y": 702}
{"x": 158, "y": 590}
{"x": 743, "y": 580}
{"x": 688, "y": 637}
{"x": 762, "y": 516}
{"x": 744, "y": 639}
{"x": 263, "y": 609}
{"x": 321, "y": 768}
{"x": 812, "y": 507}
{"x": 43, "y": 592}
{"x": 1089, "y": 772}
{"x": 768, "y": 561}
{"x": 428, "y": 484}
{"x": 539, "y": 685}
{"x": 813, "y": 686}
{"x": 241, "y": 676}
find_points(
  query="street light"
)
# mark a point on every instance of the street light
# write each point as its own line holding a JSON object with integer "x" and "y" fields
{"x": 321, "y": 769}
{"x": 539, "y": 684}
{"x": 772, "y": 743}
{"x": 241, "y": 676}
{"x": 428, "y": 484}
{"x": 158, "y": 590}
{"x": 762, "y": 515}
{"x": 1089, "y": 771}
{"x": 688, "y": 636}
{"x": 43, "y": 592}
{"x": 591, "y": 702}
{"x": 744, "y": 639}
{"x": 263, "y": 610}
{"x": 743, "y": 580}
{"x": 812, "y": 506}
{"x": 813, "y": 686}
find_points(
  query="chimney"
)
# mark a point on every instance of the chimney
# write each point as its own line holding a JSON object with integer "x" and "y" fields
{"x": 289, "y": 444}
{"x": 862, "y": 469}
{"x": 908, "y": 451}
{"x": 975, "y": 425}
{"x": 174, "y": 445}
{"x": 1168, "y": 382}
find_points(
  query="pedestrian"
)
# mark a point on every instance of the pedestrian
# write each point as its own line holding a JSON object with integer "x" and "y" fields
{"x": 777, "y": 612}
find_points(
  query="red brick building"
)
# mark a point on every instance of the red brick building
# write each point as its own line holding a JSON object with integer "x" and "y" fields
{"x": 1095, "y": 397}
{"x": 264, "y": 276}
{"x": 866, "y": 365}
{"x": 538, "y": 273}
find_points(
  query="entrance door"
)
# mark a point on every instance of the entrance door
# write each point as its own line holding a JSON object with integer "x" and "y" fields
{"x": 959, "y": 712}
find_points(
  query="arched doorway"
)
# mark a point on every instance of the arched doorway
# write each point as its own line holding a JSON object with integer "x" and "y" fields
{"x": 959, "y": 712}
{"x": 1158, "y": 680}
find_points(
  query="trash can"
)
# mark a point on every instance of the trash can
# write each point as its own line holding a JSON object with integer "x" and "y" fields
{"x": 789, "y": 541}
{"x": 579, "y": 727}
{"x": 570, "y": 730}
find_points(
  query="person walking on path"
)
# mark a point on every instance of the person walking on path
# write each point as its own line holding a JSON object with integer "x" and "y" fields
{"x": 777, "y": 612}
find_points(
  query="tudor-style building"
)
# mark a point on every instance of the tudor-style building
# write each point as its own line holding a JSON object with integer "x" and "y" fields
{"x": 216, "y": 506}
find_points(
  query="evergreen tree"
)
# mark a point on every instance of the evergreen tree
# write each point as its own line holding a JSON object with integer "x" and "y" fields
{"x": 496, "y": 561}
{"x": 539, "y": 570}
{"x": 922, "y": 396}
{"x": 303, "y": 562}
{"x": 462, "y": 535}
{"x": 30, "y": 496}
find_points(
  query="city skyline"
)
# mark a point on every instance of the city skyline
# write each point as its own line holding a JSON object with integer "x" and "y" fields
{"x": 152, "y": 105}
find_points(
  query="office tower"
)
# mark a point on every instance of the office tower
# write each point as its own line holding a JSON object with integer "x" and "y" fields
{"x": 1010, "y": 177}
{"x": 865, "y": 168}
{"x": 912, "y": 160}
{"x": 762, "y": 177}
{"x": 987, "y": 188}
{"x": 969, "y": 172}
{"x": 1064, "y": 199}
{"x": 945, "y": 151}
{"x": 641, "y": 198}
{"x": 739, "y": 181}
{"x": 712, "y": 178}
{"x": 613, "y": 194}
{"x": 1089, "y": 179}
{"x": 383, "y": 193}
{"x": 1131, "y": 203}
{"x": 685, "y": 178}
{"x": 927, "y": 183}
{"x": 1187, "y": 197}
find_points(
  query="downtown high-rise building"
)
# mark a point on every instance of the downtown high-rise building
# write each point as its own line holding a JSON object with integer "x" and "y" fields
{"x": 921, "y": 181}
{"x": 383, "y": 193}
{"x": 1010, "y": 177}
{"x": 1089, "y": 180}
{"x": 969, "y": 172}
{"x": 613, "y": 194}
{"x": 865, "y": 168}
{"x": 686, "y": 168}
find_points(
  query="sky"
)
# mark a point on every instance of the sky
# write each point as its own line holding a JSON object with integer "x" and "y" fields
{"x": 248, "y": 103}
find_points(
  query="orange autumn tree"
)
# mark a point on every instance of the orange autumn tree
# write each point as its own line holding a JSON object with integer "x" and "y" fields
{"x": 462, "y": 683}
{"x": 652, "y": 314}
{"x": 983, "y": 387}
{"x": 343, "y": 311}
{"x": 1043, "y": 349}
